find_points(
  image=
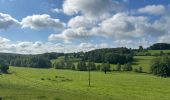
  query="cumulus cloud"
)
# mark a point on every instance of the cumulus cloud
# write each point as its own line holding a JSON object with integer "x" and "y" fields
{"x": 119, "y": 26}
{"x": 80, "y": 21}
{"x": 153, "y": 9}
{"x": 7, "y": 21}
{"x": 41, "y": 21}
{"x": 38, "y": 47}
{"x": 3, "y": 40}
{"x": 71, "y": 33}
{"x": 91, "y": 8}
{"x": 123, "y": 25}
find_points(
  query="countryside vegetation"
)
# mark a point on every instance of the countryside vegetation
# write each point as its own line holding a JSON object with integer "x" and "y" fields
{"x": 101, "y": 74}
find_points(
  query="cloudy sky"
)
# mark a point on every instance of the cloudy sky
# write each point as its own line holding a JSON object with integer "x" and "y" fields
{"x": 39, "y": 26}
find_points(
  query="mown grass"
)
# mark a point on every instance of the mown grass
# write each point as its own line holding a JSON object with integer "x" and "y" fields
{"x": 27, "y": 84}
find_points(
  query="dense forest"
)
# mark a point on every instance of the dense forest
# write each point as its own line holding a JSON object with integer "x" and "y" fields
{"x": 36, "y": 61}
{"x": 160, "y": 46}
{"x": 111, "y": 55}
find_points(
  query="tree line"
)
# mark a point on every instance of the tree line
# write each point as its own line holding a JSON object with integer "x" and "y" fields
{"x": 111, "y": 55}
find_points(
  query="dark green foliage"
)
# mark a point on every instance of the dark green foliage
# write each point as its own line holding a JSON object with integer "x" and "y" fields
{"x": 3, "y": 66}
{"x": 59, "y": 65}
{"x": 92, "y": 66}
{"x": 31, "y": 61}
{"x": 81, "y": 66}
{"x": 73, "y": 67}
{"x": 111, "y": 55}
{"x": 138, "y": 70}
{"x": 36, "y": 61}
{"x": 161, "y": 66}
{"x": 51, "y": 55}
{"x": 118, "y": 67}
{"x": 127, "y": 67}
{"x": 98, "y": 67}
{"x": 118, "y": 58}
{"x": 160, "y": 46}
{"x": 141, "y": 49}
{"x": 106, "y": 67}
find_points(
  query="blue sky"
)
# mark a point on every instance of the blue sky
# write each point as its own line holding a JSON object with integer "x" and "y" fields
{"x": 38, "y": 26}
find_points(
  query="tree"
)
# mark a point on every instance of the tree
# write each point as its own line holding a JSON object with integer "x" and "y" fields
{"x": 140, "y": 48}
{"x": 138, "y": 70}
{"x": 106, "y": 67}
{"x": 81, "y": 66}
{"x": 118, "y": 67}
{"x": 161, "y": 66}
{"x": 3, "y": 66}
{"x": 73, "y": 67}
{"x": 127, "y": 67}
{"x": 98, "y": 67}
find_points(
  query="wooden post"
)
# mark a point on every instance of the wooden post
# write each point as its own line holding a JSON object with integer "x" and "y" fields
{"x": 89, "y": 76}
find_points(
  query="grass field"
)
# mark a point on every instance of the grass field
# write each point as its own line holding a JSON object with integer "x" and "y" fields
{"x": 158, "y": 51}
{"x": 52, "y": 84}
{"x": 143, "y": 61}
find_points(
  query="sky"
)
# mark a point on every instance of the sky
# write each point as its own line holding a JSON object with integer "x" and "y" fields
{"x": 40, "y": 26}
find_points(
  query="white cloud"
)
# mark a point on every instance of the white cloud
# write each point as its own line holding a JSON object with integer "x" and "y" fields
{"x": 153, "y": 9}
{"x": 3, "y": 40}
{"x": 123, "y": 25}
{"x": 41, "y": 21}
{"x": 164, "y": 39}
{"x": 80, "y": 21}
{"x": 38, "y": 47}
{"x": 132, "y": 43}
{"x": 6, "y": 21}
{"x": 71, "y": 33}
{"x": 91, "y": 8}
{"x": 57, "y": 10}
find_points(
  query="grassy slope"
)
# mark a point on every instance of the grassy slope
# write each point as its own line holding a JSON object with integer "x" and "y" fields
{"x": 143, "y": 61}
{"x": 26, "y": 84}
{"x": 158, "y": 51}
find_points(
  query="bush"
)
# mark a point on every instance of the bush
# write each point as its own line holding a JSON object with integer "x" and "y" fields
{"x": 73, "y": 67}
{"x": 81, "y": 66}
{"x": 160, "y": 66}
{"x": 118, "y": 67}
{"x": 127, "y": 67}
{"x": 138, "y": 70}
{"x": 3, "y": 66}
{"x": 106, "y": 67}
{"x": 42, "y": 79}
{"x": 98, "y": 67}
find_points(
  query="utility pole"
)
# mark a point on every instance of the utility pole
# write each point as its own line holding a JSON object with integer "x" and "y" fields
{"x": 89, "y": 75}
{"x": 89, "y": 67}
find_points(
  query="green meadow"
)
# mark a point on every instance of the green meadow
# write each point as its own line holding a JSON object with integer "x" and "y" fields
{"x": 53, "y": 84}
{"x": 158, "y": 51}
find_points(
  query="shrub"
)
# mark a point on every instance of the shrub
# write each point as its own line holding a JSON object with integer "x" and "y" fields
{"x": 106, "y": 67}
{"x": 73, "y": 67}
{"x": 160, "y": 66}
{"x": 3, "y": 66}
{"x": 98, "y": 67}
{"x": 42, "y": 79}
{"x": 138, "y": 70}
{"x": 118, "y": 67}
{"x": 127, "y": 67}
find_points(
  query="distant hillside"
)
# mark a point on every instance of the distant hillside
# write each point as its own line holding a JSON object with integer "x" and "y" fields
{"x": 21, "y": 60}
{"x": 160, "y": 46}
